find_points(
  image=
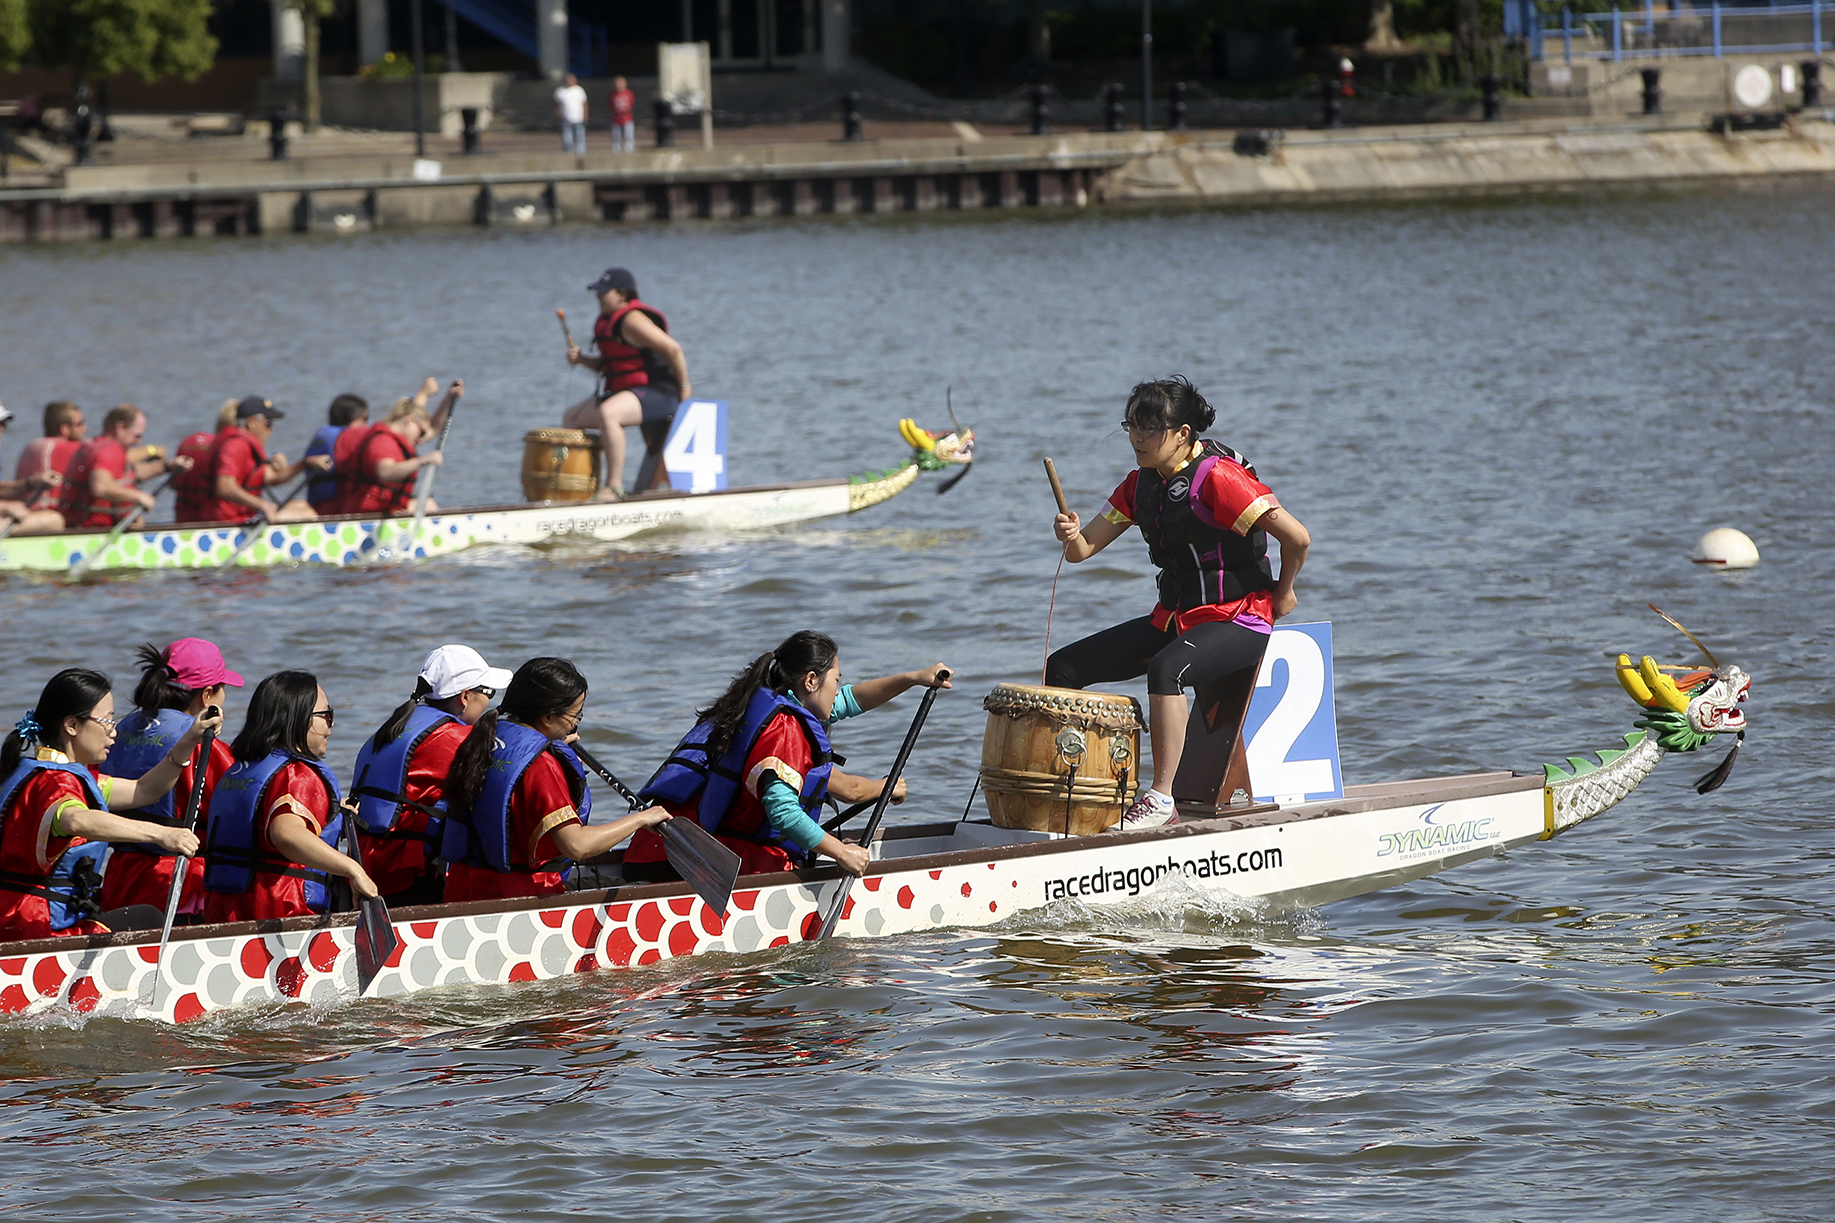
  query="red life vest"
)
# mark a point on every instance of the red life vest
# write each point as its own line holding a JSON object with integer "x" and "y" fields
{"x": 365, "y": 491}
{"x": 624, "y": 366}
{"x": 77, "y": 500}
{"x": 193, "y": 491}
{"x": 254, "y": 480}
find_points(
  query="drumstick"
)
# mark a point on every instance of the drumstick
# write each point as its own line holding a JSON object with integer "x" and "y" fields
{"x": 562, "y": 315}
{"x": 1057, "y": 490}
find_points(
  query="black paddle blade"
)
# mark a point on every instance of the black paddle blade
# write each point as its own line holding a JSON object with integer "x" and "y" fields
{"x": 376, "y": 940}
{"x": 708, "y": 866}
{"x": 1712, "y": 781}
{"x": 954, "y": 480}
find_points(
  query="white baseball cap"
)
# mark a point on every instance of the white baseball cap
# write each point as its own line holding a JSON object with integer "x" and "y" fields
{"x": 6, "y": 414}
{"x": 452, "y": 669}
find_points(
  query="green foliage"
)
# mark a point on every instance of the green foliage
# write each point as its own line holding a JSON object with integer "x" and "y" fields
{"x": 149, "y": 38}
{"x": 393, "y": 67}
{"x": 15, "y": 33}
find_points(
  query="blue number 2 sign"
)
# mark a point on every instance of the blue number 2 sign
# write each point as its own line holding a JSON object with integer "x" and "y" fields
{"x": 1292, "y": 727}
{"x": 696, "y": 450}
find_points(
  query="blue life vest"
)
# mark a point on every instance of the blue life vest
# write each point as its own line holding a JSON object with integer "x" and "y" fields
{"x": 322, "y": 486}
{"x": 74, "y": 882}
{"x": 688, "y": 778}
{"x": 481, "y": 836}
{"x": 140, "y": 744}
{"x": 234, "y": 853}
{"x": 382, "y": 778}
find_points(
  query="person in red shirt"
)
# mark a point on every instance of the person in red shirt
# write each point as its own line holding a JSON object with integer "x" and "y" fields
{"x": 55, "y": 809}
{"x": 401, "y": 772}
{"x": 1206, "y": 519}
{"x": 275, "y": 818}
{"x": 177, "y": 685}
{"x": 240, "y": 469}
{"x": 40, "y": 472}
{"x": 101, "y": 484}
{"x": 378, "y": 478}
{"x": 622, "y": 104}
{"x": 17, "y": 496}
{"x": 515, "y": 835}
{"x": 193, "y": 494}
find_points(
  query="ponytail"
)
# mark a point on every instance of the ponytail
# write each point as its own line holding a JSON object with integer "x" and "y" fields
{"x": 779, "y": 670}
{"x": 397, "y": 722}
{"x": 159, "y": 688}
{"x": 541, "y": 687}
{"x": 470, "y": 763}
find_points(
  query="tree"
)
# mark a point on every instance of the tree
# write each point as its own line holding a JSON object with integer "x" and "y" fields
{"x": 149, "y": 38}
{"x": 311, "y": 12}
{"x": 15, "y": 34}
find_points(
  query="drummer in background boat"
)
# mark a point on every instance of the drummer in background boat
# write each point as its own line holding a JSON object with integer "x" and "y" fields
{"x": 177, "y": 684}
{"x": 757, "y": 766}
{"x": 17, "y": 496}
{"x": 44, "y": 459}
{"x": 55, "y": 809}
{"x": 100, "y": 485}
{"x": 643, "y": 377}
{"x": 275, "y": 817}
{"x": 517, "y": 800}
{"x": 1206, "y": 519}
{"x": 377, "y": 479}
{"x": 193, "y": 495}
{"x": 241, "y": 469}
{"x": 347, "y": 412}
{"x": 402, "y": 770}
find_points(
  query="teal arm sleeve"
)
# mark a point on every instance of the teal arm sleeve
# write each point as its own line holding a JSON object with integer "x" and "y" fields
{"x": 845, "y": 705}
{"x": 787, "y": 817}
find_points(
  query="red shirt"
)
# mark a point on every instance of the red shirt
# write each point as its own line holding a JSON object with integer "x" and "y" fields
{"x": 1236, "y": 499}
{"x": 77, "y": 499}
{"x": 398, "y": 863}
{"x": 43, "y": 454}
{"x": 146, "y": 879}
{"x": 540, "y": 803}
{"x": 623, "y": 105}
{"x": 238, "y": 455}
{"x": 366, "y": 492}
{"x": 28, "y": 848}
{"x": 193, "y": 494}
{"x": 296, "y": 788}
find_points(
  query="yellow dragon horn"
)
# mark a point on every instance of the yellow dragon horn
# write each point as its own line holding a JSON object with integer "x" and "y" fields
{"x": 1633, "y": 683}
{"x": 1661, "y": 686}
{"x": 919, "y": 438}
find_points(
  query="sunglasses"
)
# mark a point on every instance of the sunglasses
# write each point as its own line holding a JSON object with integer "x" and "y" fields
{"x": 329, "y": 714}
{"x": 489, "y": 694}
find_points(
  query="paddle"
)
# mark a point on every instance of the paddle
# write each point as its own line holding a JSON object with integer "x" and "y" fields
{"x": 83, "y": 564}
{"x": 255, "y": 526}
{"x": 200, "y": 765}
{"x": 706, "y": 865}
{"x": 375, "y": 933}
{"x": 426, "y": 488}
{"x": 885, "y": 800}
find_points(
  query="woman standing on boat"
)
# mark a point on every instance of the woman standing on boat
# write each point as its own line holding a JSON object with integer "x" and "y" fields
{"x": 757, "y": 766}
{"x": 177, "y": 684}
{"x": 55, "y": 818}
{"x": 402, "y": 771}
{"x": 275, "y": 818}
{"x": 517, "y": 800}
{"x": 643, "y": 378}
{"x": 1206, "y": 519}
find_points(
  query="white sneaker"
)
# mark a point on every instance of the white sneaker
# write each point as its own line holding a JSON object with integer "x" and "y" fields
{"x": 1150, "y": 810}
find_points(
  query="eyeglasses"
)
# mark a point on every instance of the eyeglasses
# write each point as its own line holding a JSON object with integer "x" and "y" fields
{"x": 108, "y": 722}
{"x": 1143, "y": 432}
{"x": 329, "y": 714}
{"x": 489, "y": 694}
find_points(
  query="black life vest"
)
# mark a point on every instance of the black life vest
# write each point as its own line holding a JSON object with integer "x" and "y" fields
{"x": 1201, "y": 561}
{"x": 622, "y": 366}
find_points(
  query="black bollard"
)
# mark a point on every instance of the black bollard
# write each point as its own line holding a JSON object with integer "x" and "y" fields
{"x": 81, "y": 123}
{"x": 1041, "y": 112}
{"x": 1492, "y": 86}
{"x": 1334, "y": 103}
{"x": 468, "y": 115}
{"x": 1812, "y": 82}
{"x": 665, "y": 124}
{"x": 850, "y": 116}
{"x": 1112, "y": 110}
{"x": 1653, "y": 90}
{"x": 1175, "y": 113}
{"x": 277, "y": 135}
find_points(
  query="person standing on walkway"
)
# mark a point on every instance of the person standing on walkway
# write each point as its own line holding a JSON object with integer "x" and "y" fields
{"x": 643, "y": 378}
{"x": 623, "y": 106}
{"x": 570, "y": 107}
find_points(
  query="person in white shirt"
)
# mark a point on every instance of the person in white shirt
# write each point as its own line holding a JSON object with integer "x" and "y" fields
{"x": 570, "y": 106}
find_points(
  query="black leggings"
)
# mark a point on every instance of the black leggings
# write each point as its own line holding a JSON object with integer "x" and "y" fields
{"x": 1170, "y": 661}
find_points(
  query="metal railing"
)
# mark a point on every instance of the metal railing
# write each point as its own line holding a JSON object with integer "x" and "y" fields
{"x": 1725, "y": 27}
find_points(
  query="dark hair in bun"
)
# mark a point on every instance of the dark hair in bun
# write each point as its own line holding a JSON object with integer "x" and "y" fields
{"x": 1167, "y": 404}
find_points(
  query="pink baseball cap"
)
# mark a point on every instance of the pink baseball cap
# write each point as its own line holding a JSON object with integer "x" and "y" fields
{"x": 196, "y": 663}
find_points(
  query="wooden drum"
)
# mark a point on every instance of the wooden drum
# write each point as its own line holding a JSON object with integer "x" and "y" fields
{"x": 1059, "y": 759}
{"x": 560, "y": 465}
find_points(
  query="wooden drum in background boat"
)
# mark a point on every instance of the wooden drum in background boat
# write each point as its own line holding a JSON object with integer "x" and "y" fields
{"x": 1059, "y": 759}
{"x": 560, "y": 465}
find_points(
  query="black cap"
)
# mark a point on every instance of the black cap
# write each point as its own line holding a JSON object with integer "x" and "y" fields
{"x": 614, "y": 278}
{"x": 255, "y": 405}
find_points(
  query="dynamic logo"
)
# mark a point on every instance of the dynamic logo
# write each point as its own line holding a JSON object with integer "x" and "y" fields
{"x": 1438, "y": 835}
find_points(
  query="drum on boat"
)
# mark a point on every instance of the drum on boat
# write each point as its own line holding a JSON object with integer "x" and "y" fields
{"x": 1059, "y": 759}
{"x": 560, "y": 465}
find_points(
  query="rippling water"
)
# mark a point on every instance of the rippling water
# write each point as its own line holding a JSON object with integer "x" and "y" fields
{"x": 1504, "y": 424}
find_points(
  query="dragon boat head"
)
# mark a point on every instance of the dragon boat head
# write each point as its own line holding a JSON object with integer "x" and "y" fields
{"x": 935, "y": 451}
{"x": 1686, "y": 708}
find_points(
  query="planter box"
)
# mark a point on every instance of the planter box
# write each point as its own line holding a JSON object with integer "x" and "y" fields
{"x": 388, "y": 105}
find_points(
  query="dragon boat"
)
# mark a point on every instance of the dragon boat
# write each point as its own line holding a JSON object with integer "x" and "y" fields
{"x": 1268, "y": 858}
{"x": 350, "y": 540}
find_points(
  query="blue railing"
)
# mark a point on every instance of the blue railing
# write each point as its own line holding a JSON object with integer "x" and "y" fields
{"x": 1717, "y": 29}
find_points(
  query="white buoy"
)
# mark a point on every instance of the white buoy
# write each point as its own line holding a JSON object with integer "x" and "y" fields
{"x": 1726, "y": 548}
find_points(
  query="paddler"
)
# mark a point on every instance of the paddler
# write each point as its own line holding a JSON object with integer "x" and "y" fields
{"x": 377, "y": 478}
{"x": 402, "y": 771}
{"x": 643, "y": 378}
{"x": 17, "y": 497}
{"x": 177, "y": 684}
{"x": 43, "y": 460}
{"x": 1206, "y": 519}
{"x": 241, "y": 470}
{"x": 517, "y": 800}
{"x": 347, "y": 412}
{"x": 757, "y": 766}
{"x": 55, "y": 809}
{"x": 193, "y": 494}
{"x": 275, "y": 817}
{"x": 100, "y": 485}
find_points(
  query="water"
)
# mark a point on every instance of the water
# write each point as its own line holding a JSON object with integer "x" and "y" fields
{"x": 1504, "y": 425}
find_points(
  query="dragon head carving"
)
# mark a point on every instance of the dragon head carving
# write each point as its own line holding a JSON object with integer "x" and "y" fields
{"x": 1686, "y": 708}
{"x": 935, "y": 451}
